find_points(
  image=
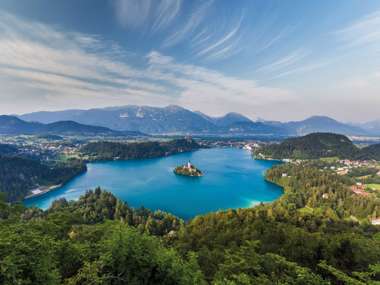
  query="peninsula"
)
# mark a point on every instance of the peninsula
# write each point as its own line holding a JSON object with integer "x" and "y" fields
{"x": 188, "y": 170}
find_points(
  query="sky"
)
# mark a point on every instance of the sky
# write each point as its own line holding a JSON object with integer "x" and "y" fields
{"x": 274, "y": 59}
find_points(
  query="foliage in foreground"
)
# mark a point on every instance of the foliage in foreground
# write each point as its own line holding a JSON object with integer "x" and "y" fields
{"x": 316, "y": 235}
{"x": 90, "y": 242}
{"x": 302, "y": 238}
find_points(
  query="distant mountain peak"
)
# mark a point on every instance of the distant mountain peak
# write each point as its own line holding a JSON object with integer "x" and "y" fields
{"x": 175, "y": 108}
{"x": 174, "y": 119}
{"x": 15, "y": 126}
{"x": 237, "y": 116}
{"x": 320, "y": 118}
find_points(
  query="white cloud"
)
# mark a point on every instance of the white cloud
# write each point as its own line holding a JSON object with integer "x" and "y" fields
{"x": 158, "y": 14}
{"x": 167, "y": 11}
{"x": 191, "y": 24}
{"x": 226, "y": 44}
{"x": 132, "y": 13}
{"x": 211, "y": 91}
{"x": 210, "y": 36}
{"x": 363, "y": 32}
{"x": 47, "y": 68}
{"x": 285, "y": 62}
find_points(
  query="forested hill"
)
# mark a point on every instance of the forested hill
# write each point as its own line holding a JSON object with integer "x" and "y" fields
{"x": 100, "y": 240}
{"x": 371, "y": 152}
{"x": 311, "y": 235}
{"x": 141, "y": 150}
{"x": 97, "y": 240}
{"x": 316, "y": 145}
{"x": 19, "y": 175}
{"x": 7, "y": 149}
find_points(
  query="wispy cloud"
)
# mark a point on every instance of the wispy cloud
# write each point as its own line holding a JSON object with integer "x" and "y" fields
{"x": 190, "y": 25}
{"x": 275, "y": 39}
{"x": 155, "y": 14}
{"x": 132, "y": 13}
{"x": 44, "y": 60}
{"x": 166, "y": 12}
{"x": 210, "y": 36}
{"x": 201, "y": 87}
{"x": 363, "y": 32}
{"x": 285, "y": 62}
{"x": 52, "y": 68}
{"x": 223, "y": 45}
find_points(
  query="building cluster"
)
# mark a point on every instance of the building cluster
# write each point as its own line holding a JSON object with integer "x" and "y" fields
{"x": 44, "y": 149}
{"x": 346, "y": 165}
{"x": 359, "y": 189}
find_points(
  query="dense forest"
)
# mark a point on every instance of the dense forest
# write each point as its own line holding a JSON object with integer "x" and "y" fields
{"x": 140, "y": 150}
{"x": 7, "y": 149}
{"x": 318, "y": 145}
{"x": 18, "y": 175}
{"x": 313, "y": 190}
{"x": 370, "y": 152}
{"x": 302, "y": 238}
{"x": 96, "y": 240}
{"x": 318, "y": 226}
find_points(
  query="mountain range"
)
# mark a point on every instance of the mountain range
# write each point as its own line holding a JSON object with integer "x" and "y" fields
{"x": 11, "y": 125}
{"x": 177, "y": 120}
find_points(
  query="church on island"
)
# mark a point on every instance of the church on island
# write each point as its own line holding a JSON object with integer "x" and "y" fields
{"x": 188, "y": 170}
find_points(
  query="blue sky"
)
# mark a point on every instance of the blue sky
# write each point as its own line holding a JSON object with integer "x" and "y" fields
{"x": 278, "y": 60}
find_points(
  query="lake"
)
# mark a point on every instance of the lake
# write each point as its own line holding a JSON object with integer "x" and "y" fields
{"x": 232, "y": 179}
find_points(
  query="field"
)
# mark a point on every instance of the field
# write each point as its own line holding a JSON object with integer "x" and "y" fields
{"x": 330, "y": 159}
{"x": 374, "y": 186}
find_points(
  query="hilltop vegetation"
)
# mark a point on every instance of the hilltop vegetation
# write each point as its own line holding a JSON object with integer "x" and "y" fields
{"x": 370, "y": 152}
{"x": 141, "y": 150}
{"x": 318, "y": 232}
{"x": 299, "y": 239}
{"x": 309, "y": 188}
{"x": 318, "y": 145}
{"x": 304, "y": 234}
{"x": 70, "y": 244}
{"x": 7, "y": 149}
{"x": 18, "y": 175}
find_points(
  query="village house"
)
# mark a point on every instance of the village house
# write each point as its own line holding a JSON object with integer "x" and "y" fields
{"x": 359, "y": 189}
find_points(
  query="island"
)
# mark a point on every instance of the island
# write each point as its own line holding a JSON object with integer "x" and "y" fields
{"x": 188, "y": 170}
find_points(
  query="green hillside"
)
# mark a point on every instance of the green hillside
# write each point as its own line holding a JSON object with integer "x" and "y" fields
{"x": 371, "y": 152}
{"x": 312, "y": 146}
{"x": 19, "y": 175}
{"x": 114, "y": 150}
{"x": 100, "y": 240}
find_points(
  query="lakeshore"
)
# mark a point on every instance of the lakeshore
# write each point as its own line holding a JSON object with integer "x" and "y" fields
{"x": 42, "y": 190}
{"x": 233, "y": 180}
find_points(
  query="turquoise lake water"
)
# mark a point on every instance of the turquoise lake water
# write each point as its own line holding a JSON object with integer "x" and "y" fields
{"x": 232, "y": 179}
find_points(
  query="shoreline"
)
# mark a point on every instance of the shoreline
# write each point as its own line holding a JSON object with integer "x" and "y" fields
{"x": 241, "y": 206}
{"x": 43, "y": 190}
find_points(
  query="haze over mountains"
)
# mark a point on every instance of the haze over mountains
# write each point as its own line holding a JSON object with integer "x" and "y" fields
{"x": 177, "y": 120}
{"x": 11, "y": 125}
